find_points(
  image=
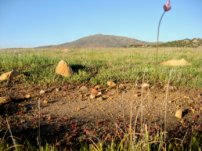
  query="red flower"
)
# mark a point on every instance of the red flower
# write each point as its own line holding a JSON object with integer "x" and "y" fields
{"x": 167, "y": 6}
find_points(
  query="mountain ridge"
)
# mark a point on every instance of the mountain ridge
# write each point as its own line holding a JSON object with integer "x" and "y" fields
{"x": 101, "y": 40}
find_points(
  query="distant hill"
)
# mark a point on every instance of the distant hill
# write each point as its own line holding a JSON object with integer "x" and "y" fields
{"x": 100, "y": 40}
{"x": 195, "y": 42}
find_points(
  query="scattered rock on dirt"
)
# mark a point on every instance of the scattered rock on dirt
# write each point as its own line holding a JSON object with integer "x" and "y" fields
{"x": 27, "y": 96}
{"x": 63, "y": 69}
{"x": 42, "y": 92}
{"x": 111, "y": 83}
{"x": 83, "y": 89}
{"x": 170, "y": 87}
{"x": 97, "y": 87}
{"x": 4, "y": 100}
{"x": 178, "y": 113}
{"x": 145, "y": 86}
{"x": 45, "y": 101}
{"x": 176, "y": 63}
{"x": 8, "y": 75}
{"x": 94, "y": 91}
{"x": 181, "y": 113}
{"x": 92, "y": 96}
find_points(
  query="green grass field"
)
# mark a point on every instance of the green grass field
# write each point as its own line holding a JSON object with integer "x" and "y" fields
{"x": 97, "y": 65}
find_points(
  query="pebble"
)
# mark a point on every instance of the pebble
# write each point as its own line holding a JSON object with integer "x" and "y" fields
{"x": 83, "y": 89}
{"x": 178, "y": 113}
{"x": 27, "y": 96}
{"x": 45, "y": 101}
{"x": 92, "y": 96}
{"x": 42, "y": 92}
{"x": 111, "y": 84}
{"x": 145, "y": 86}
{"x": 181, "y": 113}
{"x": 94, "y": 91}
{"x": 4, "y": 100}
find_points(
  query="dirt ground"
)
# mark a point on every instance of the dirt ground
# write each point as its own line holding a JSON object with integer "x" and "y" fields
{"x": 66, "y": 113}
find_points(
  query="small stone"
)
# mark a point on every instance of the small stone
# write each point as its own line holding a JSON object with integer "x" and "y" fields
{"x": 97, "y": 87}
{"x": 57, "y": 89}
{"x": 111, "y": 83}
{"x": 27, "y": 96}
{"x": 99, "y": 94}
{"x": 169, "y": 101}
{"x": 170, "y": 88}
{"x": 83, "y": 89}
{"x": 94, "y": 91}
{"x": 122, "y": 86}
{"x": 63, "y": 69}
{"x": 4, "y": 100}
{"x": 8, "y": 75}
{"x": 42, "y": 92}
{"x": 199, "y": 96}
{"x": 181, "y": 113}
{"x": 5, "y": 76}
{"x": 186, "y": 97}
{"x": 92, "y": 96}
{"x": 45, "y": 101}
{"x": 145, "y": 86}
{"x": 78, "y": 109}
{"x": 178, "y": 113}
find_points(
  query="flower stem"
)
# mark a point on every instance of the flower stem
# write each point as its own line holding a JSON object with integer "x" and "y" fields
{"x": 157, "y": 41}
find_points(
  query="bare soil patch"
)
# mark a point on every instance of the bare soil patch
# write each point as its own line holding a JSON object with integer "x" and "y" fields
{"x": 68, "y": 115}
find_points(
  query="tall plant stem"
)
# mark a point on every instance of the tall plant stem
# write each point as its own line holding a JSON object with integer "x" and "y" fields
{"x": 157, "y": 42}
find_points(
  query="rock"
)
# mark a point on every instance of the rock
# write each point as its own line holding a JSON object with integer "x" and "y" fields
{"x": 170, "y": 88}
{"x": 99, "y": 94}
{"x": 199, "y": 96}
{"x": 27, "y": 96}
{"x": 63, "y": 69}
{"x": 42, "y": 92}
{"x": 57, "y": 89}
{"x": 45, "y": 101}
{"x": 94, "y": 91}
{"x": 83, "y": 89}
{"x": 178, "y": 113}
{"x": 145, "y": 86}
{"x": 122, "y": 86}
{"x": 181, "y": 113}
{"x": 97, "y": 87}
{"x": 111, "y": 83}
{"x": 4, "y": 100}
{"x": 92, "y": 96}
{"x": 8, "y": 75}
{"x": 5, "y": 76}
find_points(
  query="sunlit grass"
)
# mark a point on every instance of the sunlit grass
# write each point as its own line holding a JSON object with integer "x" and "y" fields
{"x": 102, "y": 64}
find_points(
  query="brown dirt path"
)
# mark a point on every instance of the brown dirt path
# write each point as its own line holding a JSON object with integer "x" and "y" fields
{"x": 62, "y": 103}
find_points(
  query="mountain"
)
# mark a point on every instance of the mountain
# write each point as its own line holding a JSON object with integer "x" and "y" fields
{"x": 100, "y": 40}
{"x": 195, "y": 42}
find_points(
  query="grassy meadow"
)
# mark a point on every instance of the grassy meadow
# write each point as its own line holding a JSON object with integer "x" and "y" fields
{"x": 94, "y": 66}
{"x": 98, "y": 65}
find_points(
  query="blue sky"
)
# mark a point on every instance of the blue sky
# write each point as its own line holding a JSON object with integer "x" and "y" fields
{"x": 30, "y": 23}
